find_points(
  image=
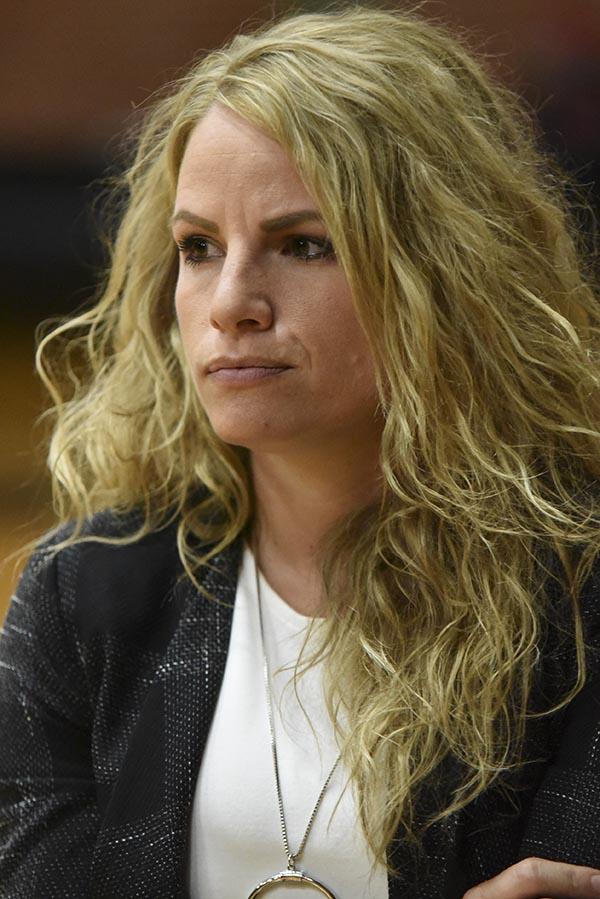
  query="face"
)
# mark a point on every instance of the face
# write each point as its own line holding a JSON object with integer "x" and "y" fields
{"x": 264, "y": 310}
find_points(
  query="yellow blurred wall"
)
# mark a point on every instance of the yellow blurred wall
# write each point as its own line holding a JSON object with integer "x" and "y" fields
{"x": 25, "y": 507}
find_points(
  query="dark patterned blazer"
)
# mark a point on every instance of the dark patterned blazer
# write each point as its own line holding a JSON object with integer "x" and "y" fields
{"x": 110, "y": 668}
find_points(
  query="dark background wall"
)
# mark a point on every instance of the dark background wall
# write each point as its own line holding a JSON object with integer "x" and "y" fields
{"x": 73, "y": 74}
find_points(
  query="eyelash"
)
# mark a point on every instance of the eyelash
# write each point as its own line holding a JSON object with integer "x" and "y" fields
{"x": 187, "y": 245}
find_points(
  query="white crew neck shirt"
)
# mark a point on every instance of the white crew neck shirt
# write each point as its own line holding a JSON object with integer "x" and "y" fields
{"x": 236, "y": 838}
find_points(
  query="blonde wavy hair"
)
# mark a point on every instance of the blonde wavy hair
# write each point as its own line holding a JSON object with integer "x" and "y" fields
{"x": 473, "y": 286}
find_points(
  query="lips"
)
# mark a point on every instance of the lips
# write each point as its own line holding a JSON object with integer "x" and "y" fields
{"x": 240, "y": 376}
{"x": 242, "y": 362}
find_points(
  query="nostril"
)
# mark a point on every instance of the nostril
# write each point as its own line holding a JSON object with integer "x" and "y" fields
{"x": 235, "y": 313}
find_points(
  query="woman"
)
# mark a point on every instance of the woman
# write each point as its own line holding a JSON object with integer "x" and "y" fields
{"x": 322, "y": 614}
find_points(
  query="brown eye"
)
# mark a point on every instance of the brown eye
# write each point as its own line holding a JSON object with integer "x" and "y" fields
{"x": 308, "y": 248}
{"x": 197, "y": 249}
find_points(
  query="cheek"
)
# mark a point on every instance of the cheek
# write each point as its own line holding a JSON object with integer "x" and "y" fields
{"x": 345, "y": 368}
{"x": 189, "y": 334}
{"x": 341, "y": 338}
{"x": 182, "y": 300}
{"x": 179, "y": 301}
{"x": 189, "y": 313}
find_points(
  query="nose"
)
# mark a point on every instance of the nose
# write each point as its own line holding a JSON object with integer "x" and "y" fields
{"x": 241, "y": 299}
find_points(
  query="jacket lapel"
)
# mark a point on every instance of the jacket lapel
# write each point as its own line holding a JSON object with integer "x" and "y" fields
{"x": 434, "y": 873}
{"x": 143, "y": 844}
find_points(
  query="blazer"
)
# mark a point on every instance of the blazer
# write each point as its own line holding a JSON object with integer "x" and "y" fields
{"x": 110, "y": 667}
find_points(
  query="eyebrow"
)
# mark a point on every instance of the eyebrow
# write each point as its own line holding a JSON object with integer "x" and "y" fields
{"x": 268, "y": 225}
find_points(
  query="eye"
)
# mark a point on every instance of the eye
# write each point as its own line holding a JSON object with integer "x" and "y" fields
{"x": 196, "y": 249}
{"x": 308, "y": 248}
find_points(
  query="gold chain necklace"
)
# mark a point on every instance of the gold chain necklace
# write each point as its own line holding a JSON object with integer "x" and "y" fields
{"x": 292, "y": 875}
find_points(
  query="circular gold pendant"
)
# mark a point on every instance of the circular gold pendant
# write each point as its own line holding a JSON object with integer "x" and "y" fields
{"x": 291, "y": 877}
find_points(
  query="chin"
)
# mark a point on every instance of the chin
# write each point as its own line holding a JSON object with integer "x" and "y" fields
{"x": 254, "y": 435}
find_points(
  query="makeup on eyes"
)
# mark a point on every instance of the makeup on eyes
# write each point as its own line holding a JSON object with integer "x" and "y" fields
{"x": 191, "y": 244}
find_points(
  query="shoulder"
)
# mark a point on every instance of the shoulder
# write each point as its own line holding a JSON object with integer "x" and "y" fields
{"x": 557, "y": 670}
{"x": 560, "y": 603}
{"x": 589, "y": 605}
{"x": 109, "y": 580}
{"x": 117, "y": 582}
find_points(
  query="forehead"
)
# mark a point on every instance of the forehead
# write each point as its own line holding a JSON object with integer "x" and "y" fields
{"x": 222, "y": 128}
{"x": 226, "y": 153}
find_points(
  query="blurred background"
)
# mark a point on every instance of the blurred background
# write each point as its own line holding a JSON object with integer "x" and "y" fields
{"x": 74, "y": 73}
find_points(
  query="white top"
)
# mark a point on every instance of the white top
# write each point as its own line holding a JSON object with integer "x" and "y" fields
{"x": 236, "y": 838}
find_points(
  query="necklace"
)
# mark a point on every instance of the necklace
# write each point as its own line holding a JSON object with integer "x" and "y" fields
{"x": 292, "y": 875}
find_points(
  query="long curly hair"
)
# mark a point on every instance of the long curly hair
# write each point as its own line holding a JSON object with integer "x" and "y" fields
{"x": 477, "y": 294}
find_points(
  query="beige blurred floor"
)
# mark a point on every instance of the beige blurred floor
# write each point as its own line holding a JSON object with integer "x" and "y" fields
{"x": 24, "y": 489}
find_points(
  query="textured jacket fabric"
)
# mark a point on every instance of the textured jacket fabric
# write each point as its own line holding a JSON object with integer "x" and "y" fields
{"x": 110, "y": 667}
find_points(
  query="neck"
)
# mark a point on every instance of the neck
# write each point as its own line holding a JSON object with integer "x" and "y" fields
{"x": 298, "y": 499}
